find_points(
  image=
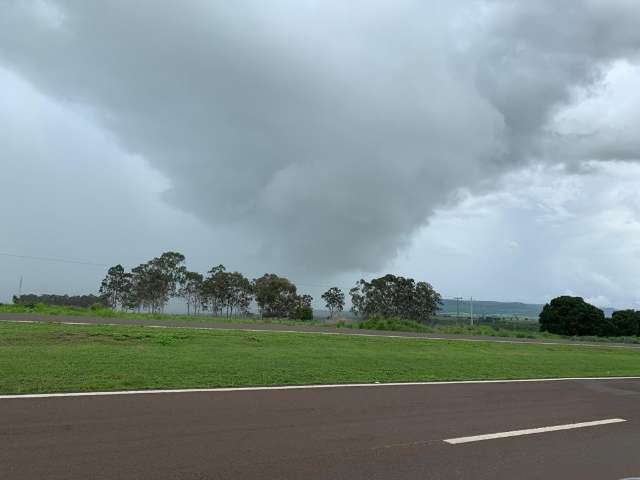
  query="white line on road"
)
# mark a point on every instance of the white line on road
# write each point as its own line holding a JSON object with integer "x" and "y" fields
{"x": 531, "y": 431}
{"x": 304, "y": 387}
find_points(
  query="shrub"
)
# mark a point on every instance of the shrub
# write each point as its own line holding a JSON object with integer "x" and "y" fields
{"x": 304, "y": 313}
{"x": 393, "y": 324}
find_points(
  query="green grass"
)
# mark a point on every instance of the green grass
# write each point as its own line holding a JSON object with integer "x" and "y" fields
{"x": 42, "y": 309}
{"x": 64, "y": 358}
{"x": 388, "y": 324}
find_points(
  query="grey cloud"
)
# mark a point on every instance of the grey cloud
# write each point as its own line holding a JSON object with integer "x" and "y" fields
{"x": 327, "y": 131}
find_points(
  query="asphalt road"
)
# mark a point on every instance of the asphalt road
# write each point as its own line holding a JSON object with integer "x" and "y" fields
{"x": 270, "y": 327}
{"x": 378, "y": 432}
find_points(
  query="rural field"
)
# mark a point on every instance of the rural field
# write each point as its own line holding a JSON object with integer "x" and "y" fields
{"x": 49, "y": 357}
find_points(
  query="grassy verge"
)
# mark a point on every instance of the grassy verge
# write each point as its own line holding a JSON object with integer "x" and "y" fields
{"x": 399, "y": 325}
{"x": 62, "y": 358}
{"x": 42, "y": 309}
{"x": 390, "y": 324}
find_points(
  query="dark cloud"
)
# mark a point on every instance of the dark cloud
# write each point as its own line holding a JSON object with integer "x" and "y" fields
{"x": 327, "y": 131}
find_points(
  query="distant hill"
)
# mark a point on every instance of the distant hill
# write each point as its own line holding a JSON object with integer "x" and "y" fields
{"x": 481, "y": 308}
{"x": 511, "y": 309}
{"x": 484, "y": 307}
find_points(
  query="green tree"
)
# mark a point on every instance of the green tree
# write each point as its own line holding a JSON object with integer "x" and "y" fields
{"x": 115, "y": 287}
{"x": 626, "y": 322}
{"x": 191, "y": 290}
{"x": 155, "y": 282}
{"x": 426, "y": 302}
{"x": 572, "y": 316}
{"x": 334, "y": 300}
{"x": 239, "y": 294}
{"x": 276, "y": 296}
{"x": 215, "y": 289}
{"x": 395, "y": 296}
{"x": 302, "y": 309}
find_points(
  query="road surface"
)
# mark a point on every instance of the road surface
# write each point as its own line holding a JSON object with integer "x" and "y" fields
{"x": 274, "y": 327}
{"x": 370, "y": 432}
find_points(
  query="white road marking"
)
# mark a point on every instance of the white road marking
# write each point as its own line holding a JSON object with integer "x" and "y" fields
{"x": 416, "y": 337}
{"x": 303, "y": 387}
{"x": 531, "y": 431}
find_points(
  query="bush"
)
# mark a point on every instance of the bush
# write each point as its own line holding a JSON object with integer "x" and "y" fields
{"x": 304, "y": 313}
{"x": 573, "y": 316}
{"x": 393, "y": 324}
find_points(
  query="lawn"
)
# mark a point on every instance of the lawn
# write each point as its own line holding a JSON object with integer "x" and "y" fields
{"x": 68, "y": 358}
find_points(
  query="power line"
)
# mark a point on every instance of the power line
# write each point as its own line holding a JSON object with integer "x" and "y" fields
{"x": 51, "y": 259}
{"x": 95, "y": 264}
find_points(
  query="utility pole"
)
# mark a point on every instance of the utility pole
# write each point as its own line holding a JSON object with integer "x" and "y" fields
{"x": 471, "y": 303}
{"x": 20, "y": 287}
{"x": 457, "y": 299}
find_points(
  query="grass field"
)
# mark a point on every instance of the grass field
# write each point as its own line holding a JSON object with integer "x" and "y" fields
{"x": 65, "y": 358}
{"x": 448, "y": 327}
{"x": 42, "y": 309}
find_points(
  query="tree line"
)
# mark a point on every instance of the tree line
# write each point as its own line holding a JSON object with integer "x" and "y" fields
{"x": 150, "y": 286}
{"x": 30, "y": 299}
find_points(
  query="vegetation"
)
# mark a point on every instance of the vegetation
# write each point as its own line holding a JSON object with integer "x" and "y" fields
{"x": 84, "y": 301}
{"x": 225, "y": 292}
{"x": 149, "y": 286}
{"x": 626, "y": 322}
{"x": 573, "y": 316}
{"x": 63, "y": 358}
{"x": 395, "y": 296}
{"x": 334, "y": 300}
{"x": 440, "y": 325}
{"x": 278, "y": 297}
{"x": 100, "y": 311}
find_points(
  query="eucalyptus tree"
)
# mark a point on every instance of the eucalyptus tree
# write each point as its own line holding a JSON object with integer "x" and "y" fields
{"x": 239, "y": 293}
{"x": 334, "y": 300}
{"x": 115, "y": 287}
{"x": 395, "y": 296}
{"x": 215, "y": 289}
{"x": 191, "y": 289}
{"x": 274, "y": 295}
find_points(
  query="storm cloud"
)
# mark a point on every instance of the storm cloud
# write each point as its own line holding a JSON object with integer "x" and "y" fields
{"x": 328, "y": 131}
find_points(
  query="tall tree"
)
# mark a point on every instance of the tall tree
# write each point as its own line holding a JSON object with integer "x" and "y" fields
{"x": 302, "y": 309}
{"x": 395, "y": 296}
{"x": 238, "y": 294}
{"x": 171, "y": 267}
{"x": 334, "y": 300}
{"x": 192, "y": 292}
{"x": 215, "y": 289}
{"x": 150, "y": 287}
{"x": 115, "y": 287}
{"x": 275, "y": 295}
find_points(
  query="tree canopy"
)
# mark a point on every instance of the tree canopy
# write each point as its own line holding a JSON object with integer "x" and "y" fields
{"x": 567, "y": 315}
{"x": 149, "y": 286}
{"x": 334, "y": 300}
{"x": 395, "y": 296}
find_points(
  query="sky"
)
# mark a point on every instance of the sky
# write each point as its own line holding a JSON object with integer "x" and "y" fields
{"x": 490, "y": 148}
